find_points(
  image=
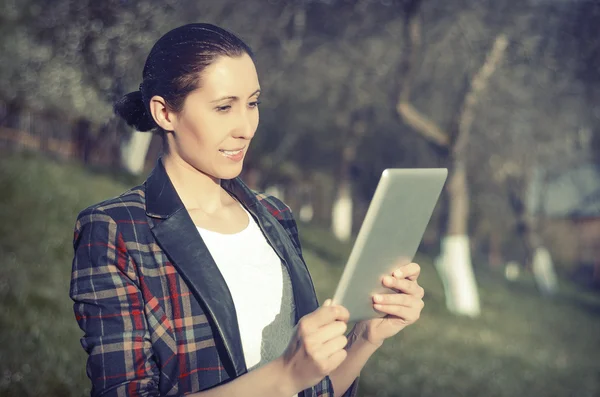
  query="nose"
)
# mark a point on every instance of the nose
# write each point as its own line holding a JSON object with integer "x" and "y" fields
{"x": 247, "y": 126}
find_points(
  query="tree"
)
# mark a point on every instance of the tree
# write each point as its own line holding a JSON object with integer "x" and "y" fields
{"x": 454, "y": 263}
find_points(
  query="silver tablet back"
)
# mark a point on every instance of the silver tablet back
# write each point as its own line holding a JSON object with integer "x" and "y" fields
{"x": 389, "y": 236}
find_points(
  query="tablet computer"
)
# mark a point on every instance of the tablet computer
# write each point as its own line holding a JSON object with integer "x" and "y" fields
{"x": 389, "y": 236}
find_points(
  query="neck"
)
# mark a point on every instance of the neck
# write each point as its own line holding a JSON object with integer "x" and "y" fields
{"x": 196, "y": 189}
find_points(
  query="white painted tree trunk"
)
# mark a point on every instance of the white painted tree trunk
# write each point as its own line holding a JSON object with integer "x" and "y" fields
{"x": 456, "y": 272}
{"x": 306, "y": 213}
{"x": 133, "y": 153}
{"x": 543, "y": 271}
{"x": 512, "y": 270}
{"x": 341, "y": 214}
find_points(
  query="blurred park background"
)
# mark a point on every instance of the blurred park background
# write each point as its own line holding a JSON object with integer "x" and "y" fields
{"x": 503, "y": 93}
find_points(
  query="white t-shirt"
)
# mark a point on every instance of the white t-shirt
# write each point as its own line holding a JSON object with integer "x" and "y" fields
{"x": 261, "y": 290}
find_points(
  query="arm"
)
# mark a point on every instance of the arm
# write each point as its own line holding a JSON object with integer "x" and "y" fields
{"x": 345, "y": 377}
{"x": 109, "y": 308}
{"x": 269, "y": 380}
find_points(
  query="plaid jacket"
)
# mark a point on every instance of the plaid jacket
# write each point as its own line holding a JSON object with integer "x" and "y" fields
{"x": 157, "y": 316}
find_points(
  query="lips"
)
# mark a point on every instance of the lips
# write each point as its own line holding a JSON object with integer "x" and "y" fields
{"x": 231, "y": 152}
{"x": 234, "y": 155}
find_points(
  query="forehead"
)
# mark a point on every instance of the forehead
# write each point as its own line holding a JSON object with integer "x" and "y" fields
{"x": 228, "y": 76}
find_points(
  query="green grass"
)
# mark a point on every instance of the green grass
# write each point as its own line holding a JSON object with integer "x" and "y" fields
{"x": 522, "y": 345}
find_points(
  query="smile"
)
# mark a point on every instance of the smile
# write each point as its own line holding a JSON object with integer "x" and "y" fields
{"x": 231, "y": 152}
{"x": 235, "y": 155}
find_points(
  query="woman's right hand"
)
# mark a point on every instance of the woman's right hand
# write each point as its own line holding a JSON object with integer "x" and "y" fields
{"x": 317, "y": 347}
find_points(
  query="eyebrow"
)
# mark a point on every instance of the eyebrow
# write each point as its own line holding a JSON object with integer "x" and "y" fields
{"x": 234, "y": 98}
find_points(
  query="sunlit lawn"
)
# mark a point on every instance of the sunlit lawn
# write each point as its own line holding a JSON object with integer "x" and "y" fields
{"x": 522, "y": 345}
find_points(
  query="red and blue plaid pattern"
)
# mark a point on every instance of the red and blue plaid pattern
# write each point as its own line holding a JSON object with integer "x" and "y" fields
{"x": 145, "y": 332}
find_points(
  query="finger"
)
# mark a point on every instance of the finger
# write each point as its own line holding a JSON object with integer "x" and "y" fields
{"x": 333, "y": 346}
{"x": 395, "y": 299}
{"x": 408, "y": 314}
{"x": 410, "y": 271}
{"x": 336, "y": 359}
{"x": 404, "y": 285}
{"x": 327, "y": 302}
{"x": 326, "y": 333}
{"x": 323, "y": 316}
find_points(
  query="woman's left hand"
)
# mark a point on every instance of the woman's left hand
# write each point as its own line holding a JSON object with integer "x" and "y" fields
{"x": 402, "y": 308}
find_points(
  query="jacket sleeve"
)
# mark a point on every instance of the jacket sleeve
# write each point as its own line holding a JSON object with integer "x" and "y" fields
{"x": 352, "y": 390}
{"x": 109, "y": 308}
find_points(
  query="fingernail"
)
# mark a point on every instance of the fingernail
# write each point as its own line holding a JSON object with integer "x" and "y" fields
{"x": 376, "y": 306}
{"x": 327, "y": 302}
{"x": 398, "y": 273}
{"x": 388, "y": 279}
{"x": 377, "y": 298}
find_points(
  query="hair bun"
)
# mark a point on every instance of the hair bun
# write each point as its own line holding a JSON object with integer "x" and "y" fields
{"x": 132, "y": 109}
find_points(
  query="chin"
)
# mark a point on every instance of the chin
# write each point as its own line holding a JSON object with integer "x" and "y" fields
{"x": 230, "y": 172}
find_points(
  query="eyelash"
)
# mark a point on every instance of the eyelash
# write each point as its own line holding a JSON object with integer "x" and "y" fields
{"x": 227, "y": 107}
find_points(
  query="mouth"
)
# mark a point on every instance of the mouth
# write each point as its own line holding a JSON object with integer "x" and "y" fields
{"x": 233, "y": 152}
{"x": 235, "y": 155}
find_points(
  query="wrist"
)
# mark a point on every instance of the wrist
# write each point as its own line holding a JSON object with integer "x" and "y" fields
{"x": 284, "y": 377}
{"x": 360, "y": 334}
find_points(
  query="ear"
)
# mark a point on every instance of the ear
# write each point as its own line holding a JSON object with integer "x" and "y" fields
{"x": 164, "y": 117}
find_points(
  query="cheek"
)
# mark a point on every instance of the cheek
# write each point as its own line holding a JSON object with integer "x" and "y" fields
{"x": 195, "y": 135}
{"x": 195, "y": 142}
{"x": 256, "y": 120}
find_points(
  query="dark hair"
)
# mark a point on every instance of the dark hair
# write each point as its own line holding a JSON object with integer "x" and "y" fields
{"x": 173, "y": 69}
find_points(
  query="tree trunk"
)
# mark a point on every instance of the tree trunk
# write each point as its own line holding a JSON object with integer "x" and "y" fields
{"x": 495, "y": 257}
{"x": 341, "y": 214}
{"x": 543, "y": 271}
{"x": 454, "y": 264}
{"x": 458, "y": 201}
{"x": 133, "y": 152}
{"x": 539, "y": 259}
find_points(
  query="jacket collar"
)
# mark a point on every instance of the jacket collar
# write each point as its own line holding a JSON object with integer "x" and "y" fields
{"x": 162, "y": 200}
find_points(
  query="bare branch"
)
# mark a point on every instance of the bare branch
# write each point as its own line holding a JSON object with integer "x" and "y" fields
{"x": 409, "y": 114}
{"x": 413, "y": 31}
{"x": 478, "y": 85}
{"x": 422, "y": 124}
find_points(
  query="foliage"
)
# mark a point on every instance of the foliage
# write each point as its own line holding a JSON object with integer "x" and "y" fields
{"x": 331, "y": 73}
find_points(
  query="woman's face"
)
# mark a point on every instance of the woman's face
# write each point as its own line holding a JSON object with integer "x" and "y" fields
{"x": 213, "y": 131}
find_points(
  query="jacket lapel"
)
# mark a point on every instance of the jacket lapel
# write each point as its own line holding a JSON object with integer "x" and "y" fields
{"x": 304, "y": 294}
{"x": 177, "y": 235}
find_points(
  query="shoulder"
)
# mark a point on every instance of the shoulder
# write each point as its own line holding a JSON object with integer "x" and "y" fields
{"x": 283, "y": 213}
{"x": 129, "y": 204}
{"x": 275, "y": 206}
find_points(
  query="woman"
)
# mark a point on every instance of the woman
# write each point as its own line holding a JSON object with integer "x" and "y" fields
{"x": 193, "y": 283}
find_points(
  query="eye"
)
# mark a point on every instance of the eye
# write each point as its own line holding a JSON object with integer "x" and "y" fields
{"x": 223, "y": 108}
{"x": 254, "y": 104}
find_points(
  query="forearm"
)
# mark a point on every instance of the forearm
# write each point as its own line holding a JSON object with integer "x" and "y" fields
{"x": 270, "y": 380}
{"x": 359, "y": 352}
